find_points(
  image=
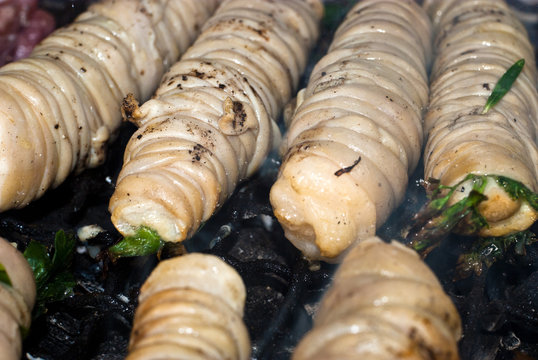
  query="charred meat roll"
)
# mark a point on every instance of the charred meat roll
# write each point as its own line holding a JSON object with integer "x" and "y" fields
{"x": 211, "y": 123}
{"x": 384, "y": 303}
{"x": 60, "y": 106}
{"x": 469, "y": 148}
{"x": 17, "y": 298}
{"x": 356, "y": 133}
{"x": 191, "y": 307}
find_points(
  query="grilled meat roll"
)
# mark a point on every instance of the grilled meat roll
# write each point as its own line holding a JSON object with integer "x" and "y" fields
{"x": 384, "y": 303}
{"x": 357, "y": 131}
{"x": 191, "y": 307}
{"x": 476, "y": 42}
{"x": 60, "y": 106}
{"x": 16, "y": 300}
{"x": 211, "y": 122}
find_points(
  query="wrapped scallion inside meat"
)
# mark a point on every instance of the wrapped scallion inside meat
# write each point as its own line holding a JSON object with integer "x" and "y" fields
{"x": 481, "y": 157}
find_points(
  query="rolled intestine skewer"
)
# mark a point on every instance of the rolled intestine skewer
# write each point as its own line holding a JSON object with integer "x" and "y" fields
{"x": 190, "y": 307}
{"x": 17, "y": 300}
{"x": 384, "y": 303}
{"x": 357, "y": 131}
{"x": 476, "y": 42}
{"x": 60, "y": 107}
{"x": 211, "y": 123}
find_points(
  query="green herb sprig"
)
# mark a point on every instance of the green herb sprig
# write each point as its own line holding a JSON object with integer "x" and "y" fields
{"x": 145, "y": 241}
{"x": 504, "y": 84}
{"x": 486, "y": 251}
{"x": 517, "y": 190}
{"x": 52, "y": 270}
{"x": 436, "y": 219}
{"x": 4, "y": 277}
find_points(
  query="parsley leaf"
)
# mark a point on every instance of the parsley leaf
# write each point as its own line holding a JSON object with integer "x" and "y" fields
{"x": 486, "y": 251}
{"x": 52, "y": 272}
{"x": 145, "y": 241}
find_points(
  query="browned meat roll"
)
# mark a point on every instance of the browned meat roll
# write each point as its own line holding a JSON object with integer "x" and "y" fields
{"x": 357, "y": 131}
{"x": 61, "y": 106}
{"x": 17, "y": 298}
{"x": 476, "y": 42}
{"x": 191, "y": 307}
{"x": 211, "y": 123}
{"x": 384, "y": 303}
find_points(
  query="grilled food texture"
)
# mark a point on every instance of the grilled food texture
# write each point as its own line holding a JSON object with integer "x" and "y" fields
{"x": 17, "y": 298}
{"x": 475, "y": 43}
{"x": 356, "y": 133}
{"x": 61, "y": 106}
{"x": 211, "y": 122}
{"x": 384, "y": 303}
{"x": 191, "y": 307}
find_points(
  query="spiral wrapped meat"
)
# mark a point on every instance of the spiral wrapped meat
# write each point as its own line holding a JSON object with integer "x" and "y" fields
{"x": 357, "y": 131}
{"x": 60, "y": 106}
{"x": 384, "y": 303}
{"x": 211, "y": 123}
{"x": 476, "y": 42}
{"x": 191, "y": 307}
{"x": 16, "y": 301}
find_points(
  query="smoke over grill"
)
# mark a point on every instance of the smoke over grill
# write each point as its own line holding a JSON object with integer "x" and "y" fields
{"x": 499, "y": 307}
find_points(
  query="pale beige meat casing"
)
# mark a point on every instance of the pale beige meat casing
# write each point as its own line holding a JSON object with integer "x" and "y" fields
{"x": 191, "y": 307}
{"x": 211, "y": 123}
{"x": 16, "y": 300}
{"x": 476, "y": 42}
{"x": 384, "y": 303}
{"x": 60, "y": 107}
{"x": 357, "y": 132}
